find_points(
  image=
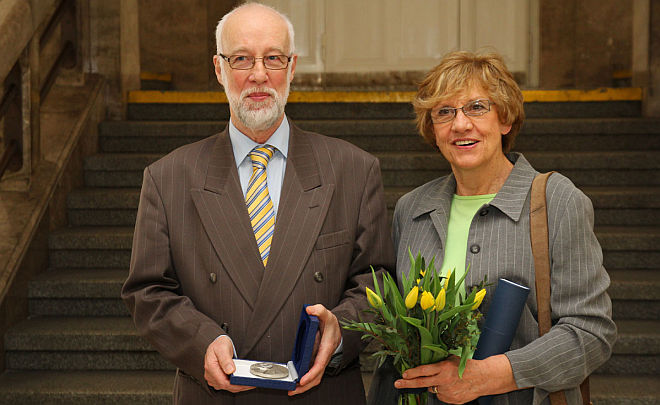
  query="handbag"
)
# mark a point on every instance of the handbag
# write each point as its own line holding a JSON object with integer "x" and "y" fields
{"x": 538, "y": 221}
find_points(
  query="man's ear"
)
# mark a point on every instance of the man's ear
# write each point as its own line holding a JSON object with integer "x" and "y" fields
{"x": 294, "y": 59}
{"x": 217, "y": 67}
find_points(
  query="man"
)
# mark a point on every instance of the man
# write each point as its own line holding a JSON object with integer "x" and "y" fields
{"x": 236, "y": 232}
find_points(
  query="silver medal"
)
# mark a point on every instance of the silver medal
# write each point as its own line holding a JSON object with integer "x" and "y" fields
{"x": 269, "y": 370}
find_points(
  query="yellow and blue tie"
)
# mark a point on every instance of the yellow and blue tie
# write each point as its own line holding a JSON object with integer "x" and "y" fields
{"x": 257, "y": 199}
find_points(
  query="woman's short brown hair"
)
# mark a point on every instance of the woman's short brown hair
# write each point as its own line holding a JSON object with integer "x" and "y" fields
{"x": 458, "y": 72}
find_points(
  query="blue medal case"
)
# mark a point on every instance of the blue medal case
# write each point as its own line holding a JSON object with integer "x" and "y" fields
{"x": 298, "y": 365}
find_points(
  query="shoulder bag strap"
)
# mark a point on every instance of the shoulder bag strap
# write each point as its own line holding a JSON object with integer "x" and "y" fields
{"x": 538, "y": 219}
{"x": 538, "y": 222}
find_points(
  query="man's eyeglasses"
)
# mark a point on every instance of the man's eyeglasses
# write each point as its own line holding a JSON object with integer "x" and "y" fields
{"x": 245, "y": 62}
{"x": 474, "y": 108}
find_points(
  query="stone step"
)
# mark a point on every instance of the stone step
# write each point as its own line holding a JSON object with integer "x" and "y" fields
{"x": 112, "y": 343}
{"x": 603, "y": 168}
{"x": 109, "y": 247}
{"x": 76, "y": 292}
{"x": 635, "y": 294}
{"x": 612, "y": 205}
{"x": 135, "y": 387}
{"x": 637, "y": 349}
{"x": 155, "y": 388}
{"x": 625, "y": 389}
{"x": 609, "y": 168}
{"x": 95, "y": 292}
{"x": 79, "y": 343}
{"x": 103, "y": 206}
{"x": 395, "y": 134}
{"x": 641, "y": 239}
{"x": 302, "y": 111}
{"x": 91, "y": 247}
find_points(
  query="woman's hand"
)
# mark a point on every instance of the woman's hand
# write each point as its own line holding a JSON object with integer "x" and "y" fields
{"x": 481, "y": 377}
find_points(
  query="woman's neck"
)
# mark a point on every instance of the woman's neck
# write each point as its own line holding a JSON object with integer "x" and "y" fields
{"x": 487, "y": 179}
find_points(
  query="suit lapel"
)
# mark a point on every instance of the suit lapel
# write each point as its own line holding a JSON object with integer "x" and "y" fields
{"x": 303, "y": 206}
{"x": 223, "y": 214}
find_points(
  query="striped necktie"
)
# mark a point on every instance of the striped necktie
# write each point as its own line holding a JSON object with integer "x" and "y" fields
{"x": 257, "y": 199}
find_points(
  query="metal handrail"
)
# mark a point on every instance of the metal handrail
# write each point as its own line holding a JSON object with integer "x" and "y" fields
{"x": 12, "y": 149}
{"x": 9, "y": 153}
{"x": 67, "y": 50}
{"x": 10, "y": 95}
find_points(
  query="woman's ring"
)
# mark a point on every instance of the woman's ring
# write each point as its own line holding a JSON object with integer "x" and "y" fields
{"x": 434, "y": 389}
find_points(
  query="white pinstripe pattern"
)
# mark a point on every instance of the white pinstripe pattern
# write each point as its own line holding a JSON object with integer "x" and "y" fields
{"x": 583, "y": 333}
{"x": 193, "y": 222}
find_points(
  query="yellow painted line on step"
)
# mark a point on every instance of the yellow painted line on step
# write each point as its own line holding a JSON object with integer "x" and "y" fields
{"x": 161, "y": 77}
{"x": 351, "y": 96}
{"x": 176, "y": 97}
{"x": 600, "y": 94}
{"x": 542, "y": 96}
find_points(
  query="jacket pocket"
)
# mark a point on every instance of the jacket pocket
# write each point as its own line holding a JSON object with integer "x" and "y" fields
{"x": 332, "y": 239}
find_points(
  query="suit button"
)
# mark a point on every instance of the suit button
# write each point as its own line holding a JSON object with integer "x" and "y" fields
{"x": 475, "y": 248}
{"x": 318, "y": 276}
{"x": 225, "y": 327}
{"x": 483, "y": 212}
{"x": 213, "y": 278}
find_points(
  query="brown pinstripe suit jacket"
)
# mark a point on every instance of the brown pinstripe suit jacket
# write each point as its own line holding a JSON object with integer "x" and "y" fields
{"x": 195, "y": 264}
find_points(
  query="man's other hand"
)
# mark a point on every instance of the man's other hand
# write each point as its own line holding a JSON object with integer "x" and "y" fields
{"x": 327, "y": 341}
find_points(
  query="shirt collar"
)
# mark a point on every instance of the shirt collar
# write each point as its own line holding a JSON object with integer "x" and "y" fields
{"x": 242, "y": 145}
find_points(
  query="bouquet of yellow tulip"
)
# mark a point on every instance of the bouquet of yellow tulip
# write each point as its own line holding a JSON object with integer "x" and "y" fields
{"x": 432, "y": 321}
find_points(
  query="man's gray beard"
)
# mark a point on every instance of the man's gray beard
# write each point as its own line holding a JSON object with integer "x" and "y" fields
{"x": 258, "y": 116}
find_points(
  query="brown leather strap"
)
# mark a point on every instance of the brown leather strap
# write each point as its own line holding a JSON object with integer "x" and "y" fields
{"x": 538, "y": 221}
{"x": 586, "y": 394}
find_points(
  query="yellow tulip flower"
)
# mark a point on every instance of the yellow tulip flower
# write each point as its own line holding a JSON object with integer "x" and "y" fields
{"x": 440, "y": 300}
{"x": 427, "y": 300}
{"x": 478, "y": 298}
{"x": 447, "y": 279}
{"x": 411, "y": 298}
{"x": 374, "y": 299}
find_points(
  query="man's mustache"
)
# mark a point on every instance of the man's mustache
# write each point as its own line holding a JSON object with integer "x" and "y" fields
{"x": 247, "y": 92}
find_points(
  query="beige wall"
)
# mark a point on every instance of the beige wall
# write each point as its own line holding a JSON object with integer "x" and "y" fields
{"x": 583, "y": 43}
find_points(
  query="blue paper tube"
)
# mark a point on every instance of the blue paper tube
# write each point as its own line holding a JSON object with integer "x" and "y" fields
{"x": 501, "y": 322}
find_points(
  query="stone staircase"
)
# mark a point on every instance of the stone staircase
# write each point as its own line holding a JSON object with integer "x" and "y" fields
{"x": 79, "y": 345}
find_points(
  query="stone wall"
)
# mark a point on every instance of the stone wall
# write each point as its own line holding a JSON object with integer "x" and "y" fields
{"x": 653, "y": 90}
{"x": 179, "y": 38}
{"x": 585, "y": 43}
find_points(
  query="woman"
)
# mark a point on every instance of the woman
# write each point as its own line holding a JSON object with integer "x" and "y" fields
{"x": 470, "y": 109}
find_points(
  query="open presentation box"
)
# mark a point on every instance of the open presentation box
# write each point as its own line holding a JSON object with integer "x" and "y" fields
{"x": 297, "y": 366}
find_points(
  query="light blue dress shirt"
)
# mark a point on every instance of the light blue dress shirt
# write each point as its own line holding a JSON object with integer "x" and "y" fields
{"x": 242, "y": 146}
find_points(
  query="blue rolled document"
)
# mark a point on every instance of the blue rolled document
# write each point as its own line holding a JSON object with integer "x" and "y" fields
{"x": 501, "y": 322}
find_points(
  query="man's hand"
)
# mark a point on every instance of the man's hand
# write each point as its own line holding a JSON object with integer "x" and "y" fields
{"x": 481, "y": 377}
{"x": 327, "y": 340}
{"x": 218, "y": 364}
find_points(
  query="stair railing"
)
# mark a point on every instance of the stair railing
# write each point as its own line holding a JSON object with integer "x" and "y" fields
{"x": 38, "y": 43}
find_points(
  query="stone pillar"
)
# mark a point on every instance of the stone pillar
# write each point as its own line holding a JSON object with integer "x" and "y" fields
{"x": 129, "y": 49}
{"x": 114, "y": 49}
{"x": 652, "y": 99}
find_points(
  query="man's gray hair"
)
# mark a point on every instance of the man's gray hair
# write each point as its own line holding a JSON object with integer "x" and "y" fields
{"x": 221, "y": 24}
